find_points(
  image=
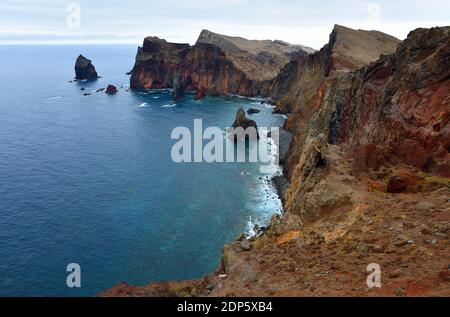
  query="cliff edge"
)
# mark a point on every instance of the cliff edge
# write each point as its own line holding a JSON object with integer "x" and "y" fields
{"x": 216, "y": 64}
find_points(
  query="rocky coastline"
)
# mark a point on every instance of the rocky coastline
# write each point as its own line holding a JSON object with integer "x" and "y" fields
{"x": 366, "y": 167}
{"x": 216, "y": 64}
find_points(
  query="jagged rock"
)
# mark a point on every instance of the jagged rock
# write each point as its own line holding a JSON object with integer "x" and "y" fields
{"x": 178, "y": 89}
{"x": 111, "y": 90}
{"x": 283, "y": 143}
{"x": 216, "y": 64}
{"x": 84, "y": 70}
{"x": 253, "y": 111}
{"x": 242, "y": 121}
{"x": 404, "y": 181}
{"x": 281, "y": 185}
{"x": 316, "y": 187}
{"x": 200, "y": 94}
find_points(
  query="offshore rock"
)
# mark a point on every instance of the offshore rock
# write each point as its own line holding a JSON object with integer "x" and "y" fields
{"x": 84, "y": 70}
{"x": 111, "y": 90}
{"x": 243, "y": 122}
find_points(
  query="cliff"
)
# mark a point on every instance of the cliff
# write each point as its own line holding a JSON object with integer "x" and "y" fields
{"x": 369, "y": 178}
{"x": 400, "y": 103}
{"x": 216, "y": 64}
{"x": 296, "y": 85}
{"x": 259, "y": 60}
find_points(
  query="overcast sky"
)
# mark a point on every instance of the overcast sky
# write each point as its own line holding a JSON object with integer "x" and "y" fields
{"x": 129, "y": 21}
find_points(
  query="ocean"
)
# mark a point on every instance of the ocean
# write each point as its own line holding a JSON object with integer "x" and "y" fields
{"x": 90, "y": 179}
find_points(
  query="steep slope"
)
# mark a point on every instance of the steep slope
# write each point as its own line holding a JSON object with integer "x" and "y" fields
{"x": 259, "y": 60}
{"x": 216, "y": 64}
{"x": 300, "y": 87}
{"x": 297, "y": 84}
{"x": 400, "y": 103}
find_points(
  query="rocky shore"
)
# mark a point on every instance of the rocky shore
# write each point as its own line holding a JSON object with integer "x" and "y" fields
{"x": 367, "y": 174}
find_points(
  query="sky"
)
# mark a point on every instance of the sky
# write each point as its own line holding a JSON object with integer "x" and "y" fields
{"x": 129, "y": 21}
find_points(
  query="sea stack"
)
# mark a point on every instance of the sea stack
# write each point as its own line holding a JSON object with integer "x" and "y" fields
{"x": 84, "y": 70}
{"x": 242, "y": 121}
{"x": 200, "y": 94}
{"x": 111, "y": 90}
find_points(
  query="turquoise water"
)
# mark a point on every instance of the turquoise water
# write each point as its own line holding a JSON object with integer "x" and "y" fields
{"x": 90, "y": 180}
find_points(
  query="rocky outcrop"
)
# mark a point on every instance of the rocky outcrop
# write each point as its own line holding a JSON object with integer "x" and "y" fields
{"x": 111, "y": 90}
{"x": 216, "y": 64}
{"x": 253, "y": 111}
{"x": 84, "y": 70}
{"x": 200, "y": 94}
{"x": 243, "y": 122}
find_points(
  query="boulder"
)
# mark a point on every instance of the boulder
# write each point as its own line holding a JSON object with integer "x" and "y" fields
{"x": 404, "y": 182}
{"x": 111, "y": 90}
{"x": 253, "y": 111}
{"x": 245, "y": 245}
{"x": 84, "y": 70}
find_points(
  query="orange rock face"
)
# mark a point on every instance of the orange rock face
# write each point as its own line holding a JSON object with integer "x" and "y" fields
{"x": 217, "y": 64}
{"x": 398, "y": 105}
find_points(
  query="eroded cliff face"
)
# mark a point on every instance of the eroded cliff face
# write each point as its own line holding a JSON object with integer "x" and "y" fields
{"x": 369, "y": 183}
{"x": 346, "y": 50}
{"x": 217, "y": 64}
{"x": 397, "y": 108}
{"x": 156, "y": 64}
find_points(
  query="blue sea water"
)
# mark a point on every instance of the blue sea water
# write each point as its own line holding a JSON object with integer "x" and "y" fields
{"x": 90, "y": 180}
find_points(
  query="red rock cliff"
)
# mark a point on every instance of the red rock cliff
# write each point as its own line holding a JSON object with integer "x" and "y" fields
{"x": 217, "y": 64}
{"x": 399, "y": 103}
